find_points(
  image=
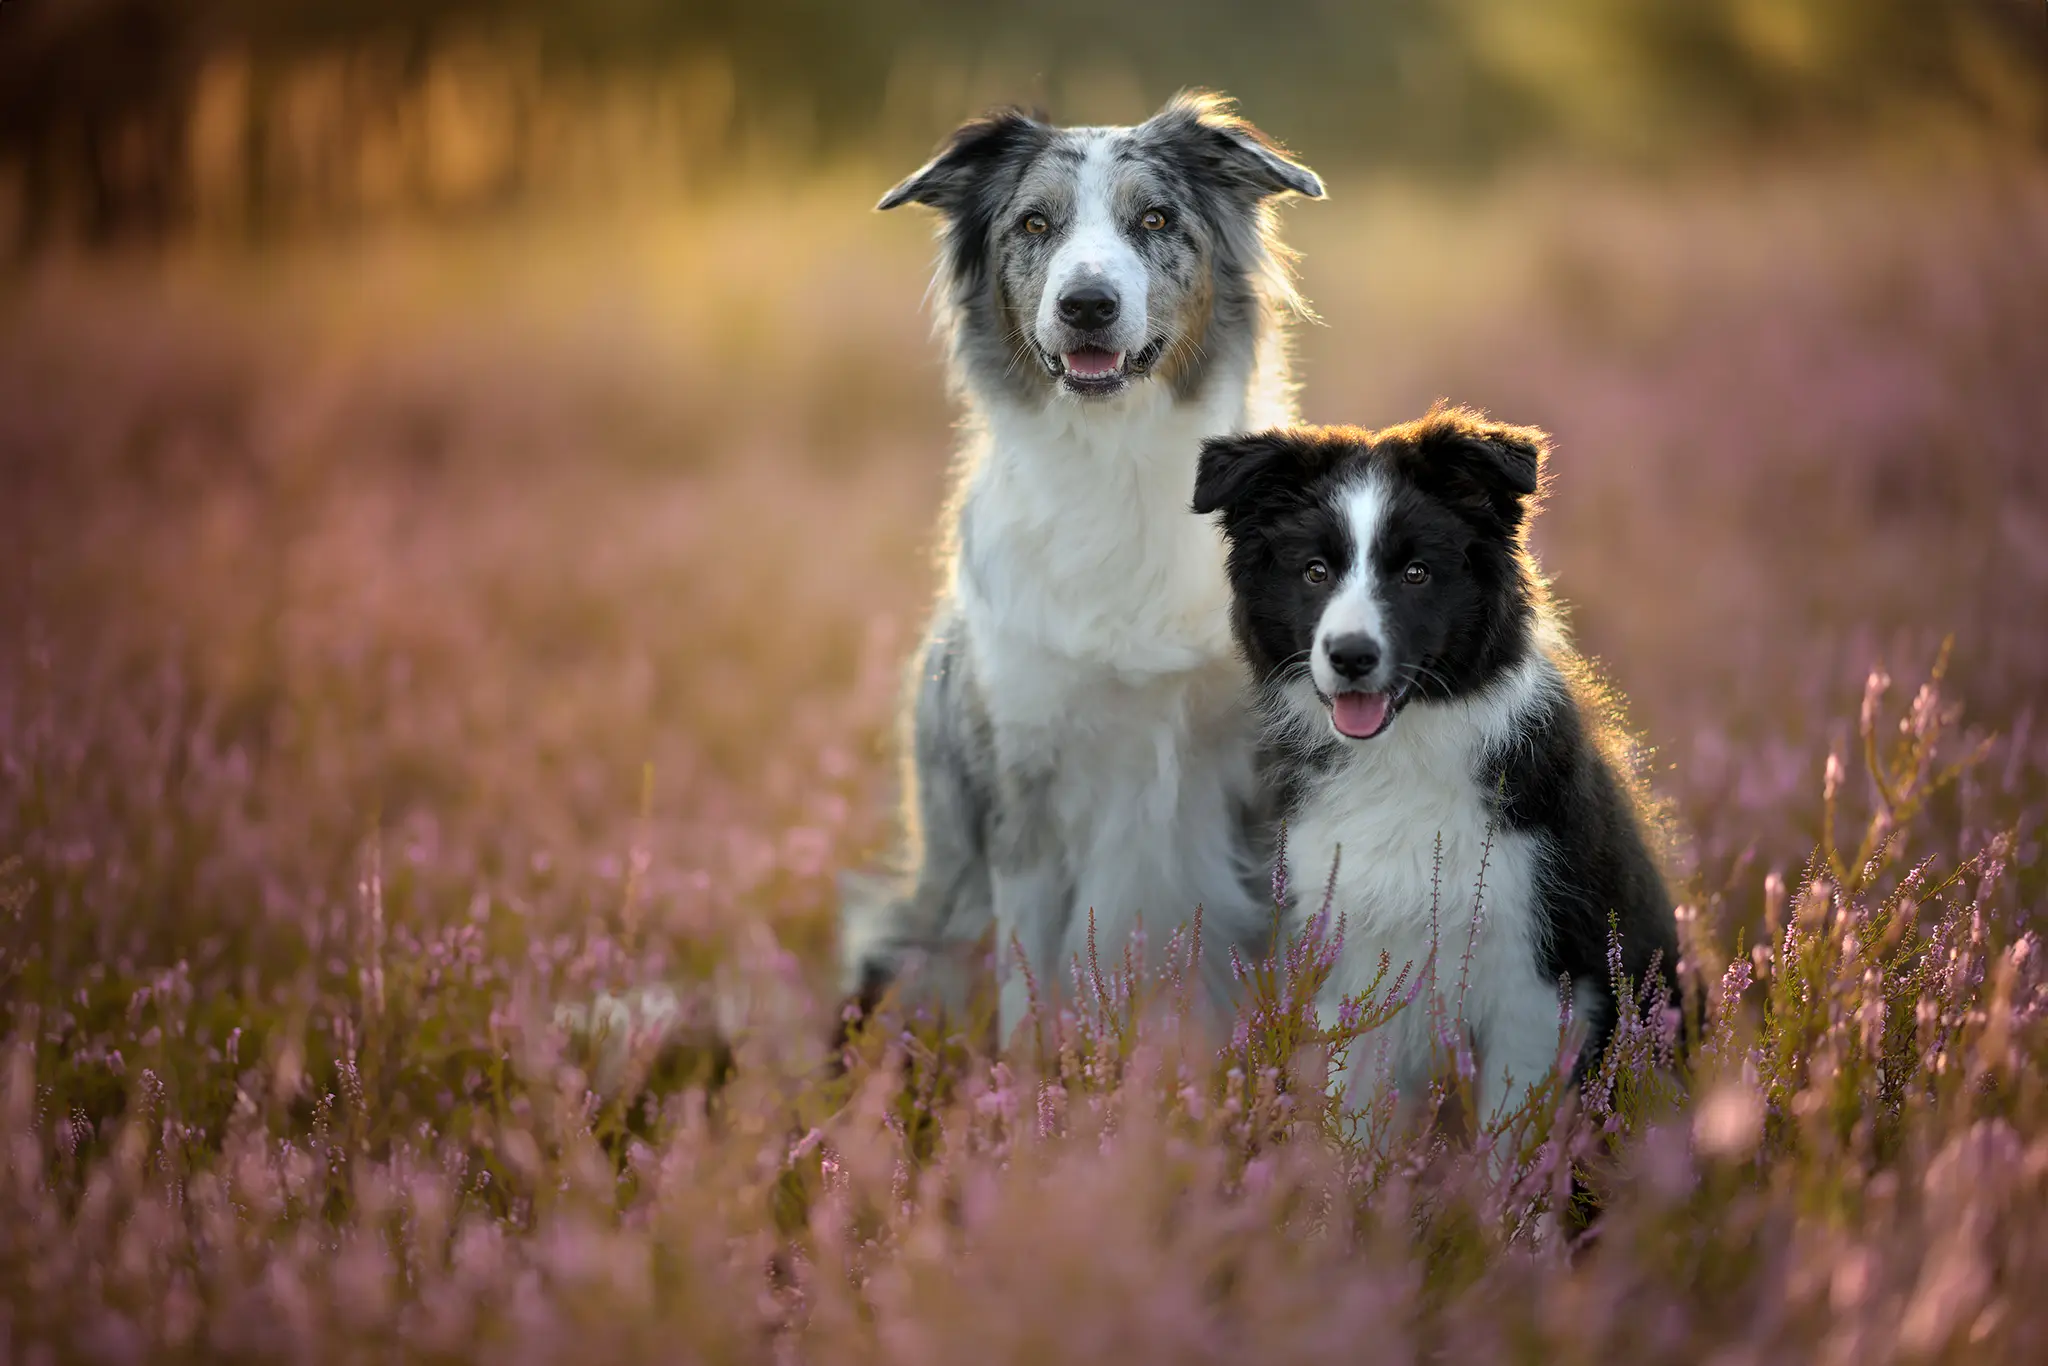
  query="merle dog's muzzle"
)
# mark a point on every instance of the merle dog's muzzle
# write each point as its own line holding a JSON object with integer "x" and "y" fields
{"x": 1095, "y": 346}
{"x": 1092, "y": 363}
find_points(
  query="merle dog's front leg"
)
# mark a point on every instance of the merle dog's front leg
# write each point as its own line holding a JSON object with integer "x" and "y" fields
{"x": 940, "y": 899}
{"x": 1032, "y": 890}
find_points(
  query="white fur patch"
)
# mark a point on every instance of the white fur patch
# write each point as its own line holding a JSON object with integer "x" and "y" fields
{"x": 1426, "y": 877}
{"x": 1355, "y": 607}
{"x": 1097, "y": 249}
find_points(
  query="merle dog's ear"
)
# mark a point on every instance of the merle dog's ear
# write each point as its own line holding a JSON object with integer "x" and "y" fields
{"x": 1226, "y": 148}
{"x": 1493, "y": 464}
{"x": 948, "y": 181}
{"x": 1235, "y": 472}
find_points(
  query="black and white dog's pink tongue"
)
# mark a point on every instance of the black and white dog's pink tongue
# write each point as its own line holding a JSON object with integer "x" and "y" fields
{"x": 1093, "y": 364}
{"x": 1359, "y": 715}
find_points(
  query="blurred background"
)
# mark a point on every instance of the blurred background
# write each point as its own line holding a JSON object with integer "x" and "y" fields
{"x": 497, "y": 443}
{"x": 246, "y": 117}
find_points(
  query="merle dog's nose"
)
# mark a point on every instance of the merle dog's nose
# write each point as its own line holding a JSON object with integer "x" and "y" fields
{"x": 1089, "y": 305}
{"x": 1353, "y": 657}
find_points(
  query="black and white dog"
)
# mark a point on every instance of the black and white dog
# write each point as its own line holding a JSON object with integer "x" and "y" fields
{"x": 1427, "y": 718}
{"x": 1078, "y": 735}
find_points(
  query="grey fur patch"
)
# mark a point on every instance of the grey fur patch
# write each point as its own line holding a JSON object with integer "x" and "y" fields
{"x": 1025, "y": 834}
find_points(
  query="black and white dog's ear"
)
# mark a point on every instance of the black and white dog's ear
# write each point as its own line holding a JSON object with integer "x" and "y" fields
{"x": 1236, "y": 473}
{"x": 1229, "y": 149}
{"x": 948, "y": 181}
{"x": 1499, "y": 464}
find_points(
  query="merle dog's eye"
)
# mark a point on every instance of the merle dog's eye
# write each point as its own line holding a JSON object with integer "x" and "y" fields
{"x": 1316, "y": 571}
{"x": 1154, "y": 220}
{"x": 1035, "y": 223}
{"x": 1416, "y": 572}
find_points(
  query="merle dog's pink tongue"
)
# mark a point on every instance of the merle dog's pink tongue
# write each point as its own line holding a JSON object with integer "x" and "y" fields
{"x": 1359, "y": 715}
{"x": 1091, "y": 363}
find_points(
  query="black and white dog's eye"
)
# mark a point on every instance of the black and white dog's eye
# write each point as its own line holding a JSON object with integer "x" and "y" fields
{"x": 1316, "y": 572}
{"x": 1035, "y": 223}
{"x": 1416, "y": 572}
{"x": 1154, "y": 220}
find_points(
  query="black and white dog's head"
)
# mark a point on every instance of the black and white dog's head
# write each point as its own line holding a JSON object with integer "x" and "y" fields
{"x": 1084, "y": 261}
{"x": 1370, "y": 570}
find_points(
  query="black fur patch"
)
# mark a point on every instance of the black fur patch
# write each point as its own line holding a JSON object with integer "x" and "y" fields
{"x": 1555, "y": 783}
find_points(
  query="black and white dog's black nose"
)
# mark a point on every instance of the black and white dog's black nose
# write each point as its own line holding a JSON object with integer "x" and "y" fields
{"x": 1088, "y": 306}
{"x": 1354, "y": 657}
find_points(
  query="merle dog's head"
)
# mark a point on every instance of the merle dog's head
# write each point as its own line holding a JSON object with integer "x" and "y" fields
{"x": 1081, "y": 262}
{"x": 1369, "y": 570}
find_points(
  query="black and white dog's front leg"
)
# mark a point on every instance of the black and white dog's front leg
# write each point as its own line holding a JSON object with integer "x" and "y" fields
{"x": 940, "y": 900}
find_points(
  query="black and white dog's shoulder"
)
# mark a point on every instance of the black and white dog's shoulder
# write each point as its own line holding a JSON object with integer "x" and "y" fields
{"x": 1078, "y": 741}
{"x": 1427, "y": 718}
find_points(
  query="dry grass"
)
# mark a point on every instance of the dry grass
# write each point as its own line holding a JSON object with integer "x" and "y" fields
{"x": 400, "y": 633}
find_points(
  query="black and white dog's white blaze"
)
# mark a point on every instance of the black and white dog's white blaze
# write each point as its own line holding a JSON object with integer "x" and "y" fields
{"x": 1425, "y": 716}
{"x": 1078, "y": 737}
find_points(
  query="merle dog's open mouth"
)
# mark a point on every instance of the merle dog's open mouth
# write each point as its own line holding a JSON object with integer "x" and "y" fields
{"x": 1096, "y": 370}
{"x": 1363, "y": 715}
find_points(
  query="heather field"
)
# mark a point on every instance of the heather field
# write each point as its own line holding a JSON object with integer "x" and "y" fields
{"x": 411, "y": 635}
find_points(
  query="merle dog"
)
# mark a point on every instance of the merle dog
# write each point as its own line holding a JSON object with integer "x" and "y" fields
{"x": 1078, "y": 741}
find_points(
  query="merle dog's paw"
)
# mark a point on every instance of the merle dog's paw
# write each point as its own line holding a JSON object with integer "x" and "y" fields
{"x": 856, "y": 1010}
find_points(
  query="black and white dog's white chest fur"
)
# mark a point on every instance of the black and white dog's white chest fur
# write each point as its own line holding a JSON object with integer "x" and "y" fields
{"x": 1079, "y": 736}
{"x": 1433, "y": 736}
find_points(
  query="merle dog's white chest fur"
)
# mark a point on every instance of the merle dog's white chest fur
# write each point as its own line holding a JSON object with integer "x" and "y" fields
{"x": 1097, "y": 616}
{"x": 1078, "y": 542}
